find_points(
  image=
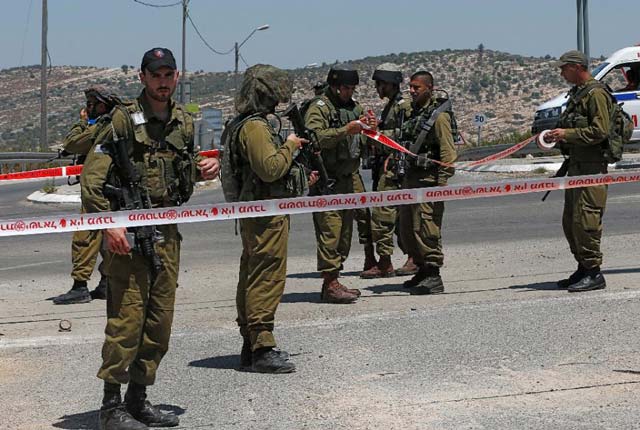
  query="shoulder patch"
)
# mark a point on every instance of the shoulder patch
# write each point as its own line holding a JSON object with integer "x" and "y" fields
{"x": 321, "y": 103}
{"x": 138, "y": 118}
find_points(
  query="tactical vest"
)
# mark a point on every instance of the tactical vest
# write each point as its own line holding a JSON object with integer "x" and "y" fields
{"x": 418, "y": 128}
{"x": 620, "y": 124}
{"x": 167, "y": 168}
{"x": 240, "y": 183}
{"x": 351, "y": 151}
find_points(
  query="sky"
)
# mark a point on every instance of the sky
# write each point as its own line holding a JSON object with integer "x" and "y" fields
{"x": 110, "y": 33}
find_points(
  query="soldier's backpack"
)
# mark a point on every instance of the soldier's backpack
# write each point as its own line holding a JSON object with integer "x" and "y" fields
{"x": 230, "y": 173}
{"x": 620, "y": 124}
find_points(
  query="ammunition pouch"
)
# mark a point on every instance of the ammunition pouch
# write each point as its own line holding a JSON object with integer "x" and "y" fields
{"x": 293, "y": 184}
{"x": 424, "y": 162}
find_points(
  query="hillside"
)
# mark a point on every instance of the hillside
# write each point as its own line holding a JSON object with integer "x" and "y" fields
{"x": 505, "y": 87}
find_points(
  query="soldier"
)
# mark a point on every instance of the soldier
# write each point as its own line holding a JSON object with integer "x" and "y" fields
{"x": 334, "y": 116}
{"x": 266, "y": 168}
{"x": 583, "y": 130}
{"x": 430, "y": 128}
{"x": 157, "y": 134}
{"x": 388, "y": 78}
{"x": 319, "y": 88}
{"x": 86, "y": 244}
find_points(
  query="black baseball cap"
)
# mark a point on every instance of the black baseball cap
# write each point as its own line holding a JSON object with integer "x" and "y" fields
{"x": 155, "y": 58}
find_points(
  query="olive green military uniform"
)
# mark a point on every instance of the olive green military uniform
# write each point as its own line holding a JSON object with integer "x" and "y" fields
{"x": 587, "y": 128}
{"x": 341, "y": 155}
{"x": 85, "y": 244}
{"x": 384, "y": 218}
{"x": 420, "y": 224}
{"x": 263, "y": 265}
{"x": 140, "y": 314}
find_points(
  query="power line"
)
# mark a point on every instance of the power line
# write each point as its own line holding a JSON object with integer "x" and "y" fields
{"x": 204, "y": 41}
{"x": 243, "y": 60}
{"x": 158, "y": 5}
{"x": 24, "y": 36}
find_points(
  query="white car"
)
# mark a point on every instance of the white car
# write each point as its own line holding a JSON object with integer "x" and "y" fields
{"x": 615, "y": 72}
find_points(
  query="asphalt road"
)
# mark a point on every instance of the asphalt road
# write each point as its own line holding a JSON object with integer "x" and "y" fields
{"x": 501, "y": 349}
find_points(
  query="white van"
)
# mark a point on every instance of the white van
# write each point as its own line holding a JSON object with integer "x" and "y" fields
{"x": 612, "y": 72}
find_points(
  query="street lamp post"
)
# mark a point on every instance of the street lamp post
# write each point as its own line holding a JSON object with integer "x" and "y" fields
{"x": 237, "y": 47}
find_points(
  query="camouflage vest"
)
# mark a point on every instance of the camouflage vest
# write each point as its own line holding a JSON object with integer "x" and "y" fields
{"x": 419, "y": 126}
{"x": 339, "y": 117}
{"x": 167, "y": 167}
{"x": 240, "y": 183}
{"x": 620, "y": 124}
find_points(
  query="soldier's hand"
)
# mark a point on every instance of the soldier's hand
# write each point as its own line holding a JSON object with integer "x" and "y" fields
{"x": 555, "y": 135}
{"x": 117, "y": 240}
{"x": 300, "y": 142}
{"x": 313, "y": 178}
{"x": 354, "y": 127}
{"x": 370, "y": 120}
{"x": 209, "y": 168}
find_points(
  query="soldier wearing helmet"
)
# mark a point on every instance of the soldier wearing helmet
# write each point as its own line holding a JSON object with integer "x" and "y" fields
{"x": 336, "y": 119}
{"x": 388, "y": 78}
{"x": 266, "y": 169}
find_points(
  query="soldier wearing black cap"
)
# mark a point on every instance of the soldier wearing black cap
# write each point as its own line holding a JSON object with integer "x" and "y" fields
{"x": 334, "y": 117}
{"x": 158, "y": 135}
{"x": 388, "y": 78}
{"x": 86, "y": 245}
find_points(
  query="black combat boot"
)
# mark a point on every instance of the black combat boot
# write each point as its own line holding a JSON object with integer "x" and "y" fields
{"x": 267, "y": 360}
{"x": 113, "y": 414}
{"x": 141, "y": 409}
{"x": 245, "y": 355}
{"x": 100, "y": 293}
{"x": 79, "y": 293}
{"x": 432, "y": 284}
{"x": 563, "y": 284}
{"x": 421, "y": 274}
{"x": 593, "y": 280}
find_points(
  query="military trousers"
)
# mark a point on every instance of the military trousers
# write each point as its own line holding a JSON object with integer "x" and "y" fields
{"x": 385, "y": 218}
{"x": 582, "y": 219}
{"x": 334, "y": 230}
{"x": 139, "y": 314}
{"x": 362, "y": 216}
{"x": 85, "y": 247}
{"x": 420, "y": 227}
{"x": 263, "y": 269}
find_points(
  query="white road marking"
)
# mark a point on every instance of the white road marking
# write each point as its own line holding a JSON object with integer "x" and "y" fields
{"x": 22, "y": 266}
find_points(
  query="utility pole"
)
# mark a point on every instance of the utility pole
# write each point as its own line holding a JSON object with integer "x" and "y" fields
{"x": 43, "y": 80}
{"x": 183, "y": 74}
{"x": 235, "y": 74}
{"x": 583, "y": 27}
{"x": 236, "y": 49}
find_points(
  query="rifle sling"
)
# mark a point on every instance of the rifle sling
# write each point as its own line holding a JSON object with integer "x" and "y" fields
{"x": 427, "y": 125}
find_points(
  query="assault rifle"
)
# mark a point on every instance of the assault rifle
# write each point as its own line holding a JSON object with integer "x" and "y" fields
{"x": 562, "y": 171}
{"x": 132, "y": 195}
{"x": 401, "y": 161}
{"x": 310, "y": 152}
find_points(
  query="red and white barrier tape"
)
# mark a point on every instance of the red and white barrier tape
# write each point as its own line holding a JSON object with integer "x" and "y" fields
{"x": 301, "y": 205}
{"x": 56, "y": 172}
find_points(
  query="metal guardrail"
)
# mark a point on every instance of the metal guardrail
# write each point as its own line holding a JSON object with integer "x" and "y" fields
{"x": 470, "y": 154}
{"x": 477, "y": 153}
{"x": 10, "y": 160}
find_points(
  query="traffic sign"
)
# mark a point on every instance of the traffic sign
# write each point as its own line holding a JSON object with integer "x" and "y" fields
{"x": 479, "y": 120}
